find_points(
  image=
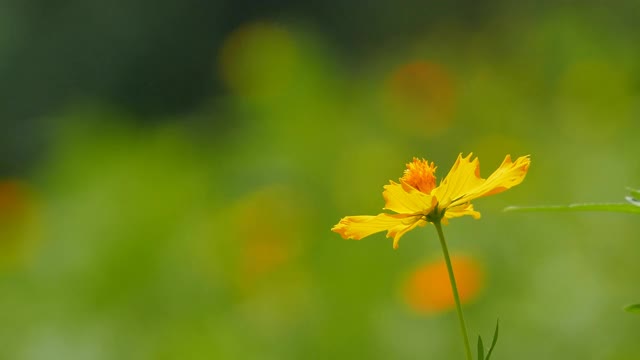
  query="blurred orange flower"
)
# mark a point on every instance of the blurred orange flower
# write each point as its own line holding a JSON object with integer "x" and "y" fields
{"x": 417, "y": 200}
{"x": 421, "y": 97}
{"x": 263, "y": 248}
{"x": 19, "y": 223}
{"x": 427, "y": 289}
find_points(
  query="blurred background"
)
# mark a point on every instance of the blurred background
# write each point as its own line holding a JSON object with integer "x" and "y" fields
{"x": 170, "y": 172}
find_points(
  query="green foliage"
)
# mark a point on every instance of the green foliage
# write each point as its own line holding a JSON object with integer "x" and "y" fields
{"x": 634, "y": 193}
{"x": 610, "y": 207}
{"x": 634, "y": 198}
{"x": 633, "y": 308}
{"x": 193, "y": 236}
{"x": 480, "y": 348}
{"x": 633, "y": 206}
{"x": 481, "y": 355}
{"x": 494, "y": 341}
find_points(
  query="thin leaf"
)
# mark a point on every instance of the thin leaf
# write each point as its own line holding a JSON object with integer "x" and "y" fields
{"x": 611, "y": 207}
{"x": 635, "y": 193}
{"x": 480, "y": 349}
{"x": 633, "y": 308}
{"x": 494, "y": 341}
{"x": 633, "y": 200}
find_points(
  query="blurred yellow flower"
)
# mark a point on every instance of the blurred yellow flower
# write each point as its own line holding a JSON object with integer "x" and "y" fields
{"x": 417, "y": 201}
{"x": 258, "y": 60}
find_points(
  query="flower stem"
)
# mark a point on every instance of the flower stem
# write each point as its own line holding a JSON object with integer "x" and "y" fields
{"x": 454, "y": 287}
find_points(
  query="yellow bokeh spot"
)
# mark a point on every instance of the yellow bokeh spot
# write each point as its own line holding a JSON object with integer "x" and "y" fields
{"x": 257, "y": 60}
{"x": 427, "y": 289}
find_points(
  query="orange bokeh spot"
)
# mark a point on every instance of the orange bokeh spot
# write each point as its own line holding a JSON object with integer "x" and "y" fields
{"x": 19, "y": 225}
{"x": 266, "y": 227}
{"x": 421, "y": 97}
{"x": 427, "y": 288}
{"x": 13, "y": 200}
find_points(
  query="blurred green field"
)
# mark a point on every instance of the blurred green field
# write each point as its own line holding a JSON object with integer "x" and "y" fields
{"x": 206, "y": 235}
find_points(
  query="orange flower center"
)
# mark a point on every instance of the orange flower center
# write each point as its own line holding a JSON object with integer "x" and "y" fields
{"x": 420, "y": 175}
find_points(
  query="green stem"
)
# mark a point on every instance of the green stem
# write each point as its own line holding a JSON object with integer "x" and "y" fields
{"x": 454, "y": 287}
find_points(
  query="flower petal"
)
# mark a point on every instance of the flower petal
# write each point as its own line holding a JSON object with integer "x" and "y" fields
{"x": 404, "y": 199}
{"x": 463, "y": 177}
{"x": 508, "y": 175}
{"x": 464, "y": 184}
{"x": 458, "y": 211}
{"x": 397, "y": 233}
{"x": 358, "y": 227}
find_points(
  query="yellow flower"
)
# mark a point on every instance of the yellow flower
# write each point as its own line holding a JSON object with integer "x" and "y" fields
{"x": 417, "y": 201}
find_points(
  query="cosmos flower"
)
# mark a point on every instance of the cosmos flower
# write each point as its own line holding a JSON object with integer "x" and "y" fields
{"x": 416, "y": 200}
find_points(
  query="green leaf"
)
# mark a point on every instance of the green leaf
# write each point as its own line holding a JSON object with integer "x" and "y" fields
{"x": 494, "y": 341}
{"x": 480, "y": 349}
{"x": 632, "y": 200}
{"x": 634, "y": 193}
{"x": 611, "y": 207}
{"x": 633, "y": 308}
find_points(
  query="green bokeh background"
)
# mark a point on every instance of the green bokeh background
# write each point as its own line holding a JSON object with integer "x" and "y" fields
{"x": 204, "y": 232}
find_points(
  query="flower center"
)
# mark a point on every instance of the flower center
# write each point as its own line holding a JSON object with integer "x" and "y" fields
{"x": 420, "y": 174}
